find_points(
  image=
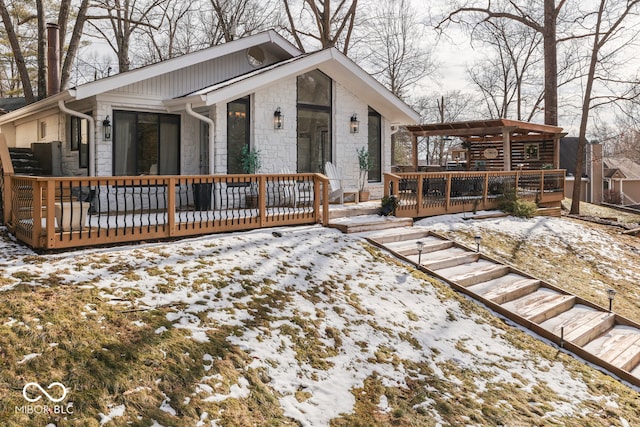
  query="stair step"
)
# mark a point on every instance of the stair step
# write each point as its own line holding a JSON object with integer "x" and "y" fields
{"x": 619, "y": 346}
{"x": 389, "y": 236}
{"x": 471, "y": 274}
{"x": 360, "y": 224}
{"x": 429, "y": 244}
{"x": 541, "y": 305}
{"x": 582, "y": 324}
{"x": 506, "y": 288}
{"x": 447, "y": 258}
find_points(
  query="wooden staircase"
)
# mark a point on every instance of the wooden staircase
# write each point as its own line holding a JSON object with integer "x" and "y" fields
{"x": 584, "y": 328}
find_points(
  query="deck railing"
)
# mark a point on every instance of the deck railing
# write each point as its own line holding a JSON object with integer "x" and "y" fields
{"x": 427, "y": 194}
{"x": 56, "y": 212}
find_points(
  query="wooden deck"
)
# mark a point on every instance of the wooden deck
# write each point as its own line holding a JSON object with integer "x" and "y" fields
{"x": 436, "y": 193}
{"x": 584, "y": 328}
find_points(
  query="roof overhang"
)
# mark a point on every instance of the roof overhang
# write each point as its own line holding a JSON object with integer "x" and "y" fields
{"x": 488, "y": 130}
{"x": 278, "y": 42}
{"x": 330, "y": 61}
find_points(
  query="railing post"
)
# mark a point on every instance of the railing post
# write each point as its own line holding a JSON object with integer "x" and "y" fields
{"x": 171, "y": 206}
{"x": 485, "y": 193}
{"x": 325, "y": 198}
{"x": 7, "y": 198}
{"x": 419, "y": 187}
{"x": 447, "y": 192}
{"x": 50, "y": 231}
{"x": 36, "y": 212}
{"x": 541, "y": 189}
{"x": 262, "y": 200}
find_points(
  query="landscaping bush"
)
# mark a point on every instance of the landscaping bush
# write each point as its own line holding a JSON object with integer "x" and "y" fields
{"x": 510, "y": 203}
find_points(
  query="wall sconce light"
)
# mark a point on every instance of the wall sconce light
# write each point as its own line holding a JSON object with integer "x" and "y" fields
{"x": 477, "y": 239}
{"x": 355, "y": 124}
{"x": 420, "y": 246}
{"x": 278, "y": 119}
{"x": 106, "y": 129}
{"x": 611, "y": 293}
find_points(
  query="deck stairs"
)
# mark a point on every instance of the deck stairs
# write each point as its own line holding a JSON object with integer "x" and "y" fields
{"x": 586, "y": 329}
{"x": 24, "y": 162}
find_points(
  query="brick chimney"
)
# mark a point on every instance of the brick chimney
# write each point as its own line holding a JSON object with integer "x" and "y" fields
{"x": 53, "y": 59}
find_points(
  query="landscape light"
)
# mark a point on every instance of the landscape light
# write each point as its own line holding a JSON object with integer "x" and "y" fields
{"x": 477, "y": 238}
{"x": 420, "y": 246}
{"x": 611, "y": 293}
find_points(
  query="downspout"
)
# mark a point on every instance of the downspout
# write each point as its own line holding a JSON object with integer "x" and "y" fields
{"x": 92, "y": 137}
{"x": 212, "y": 137}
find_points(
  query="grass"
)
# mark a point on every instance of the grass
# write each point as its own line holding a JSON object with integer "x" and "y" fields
{"x": 114, "y": 348}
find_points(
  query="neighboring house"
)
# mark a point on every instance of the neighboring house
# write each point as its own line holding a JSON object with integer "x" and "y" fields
{"x": 592, "y": 174}
{"x": 193, "y": 114}
{"x": 622, "y": 175}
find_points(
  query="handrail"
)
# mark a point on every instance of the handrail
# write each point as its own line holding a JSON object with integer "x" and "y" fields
{"x": 61, "y": 212}
{"x": 422, "y": 194}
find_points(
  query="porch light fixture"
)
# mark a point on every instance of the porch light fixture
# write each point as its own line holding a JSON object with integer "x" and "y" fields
{"x": 278, "y": 119}
{"x": 611, "y": 293}
{"x": 106, "y": 129}
{"x": 420, "y": 246}
{"x": 478, "y": 239}
{"x": 355, "y": 124}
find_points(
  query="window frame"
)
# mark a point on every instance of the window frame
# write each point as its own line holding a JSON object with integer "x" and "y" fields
{"x": 162, "y": 118}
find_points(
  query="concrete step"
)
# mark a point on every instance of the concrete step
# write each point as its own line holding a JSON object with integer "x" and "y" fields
{"x": 541, "y": 305}
{"x": 506, "y": 288}
{"x": 619, "y": 346}
{"x": 581, "y": 324}
{"x": 446, "y": 258}
{"x": 473, "y": 273}
{"x": 365, "y": 223}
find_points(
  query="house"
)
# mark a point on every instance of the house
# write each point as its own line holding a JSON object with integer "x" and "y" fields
{"x": 622, "y": 176}
{"x": 192, "y": 115}
{"x": 592, "y": 174}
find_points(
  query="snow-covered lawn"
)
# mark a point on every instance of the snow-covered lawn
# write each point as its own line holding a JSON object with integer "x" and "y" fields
{"x": 337, "y": 331}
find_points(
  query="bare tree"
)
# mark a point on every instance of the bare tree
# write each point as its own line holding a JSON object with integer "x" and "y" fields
{"x": 17, "y": 51}
{"x": 539, "y": 15}
{"x": 318, "y": 21}
{"x": 451, "y": 106}
{"x": 237, "y": 18}
{"x": 395, "y": 50}
{"x": 605, "y": 27}
{"x": 123, "y": 19}
{"x": 507, "y": 76}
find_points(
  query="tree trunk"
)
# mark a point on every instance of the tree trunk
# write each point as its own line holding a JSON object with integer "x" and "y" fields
{"x": 74, "y": 44}
{"x": 17, "y": 54}
{"x": 550, "y": 64}
{"x": 42, "y": 51}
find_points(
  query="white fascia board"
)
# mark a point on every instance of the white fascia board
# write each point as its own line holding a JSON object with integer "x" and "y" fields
{"x": 335, "y": 65}
{"x": 173, "y": 64}
{"x": 38, "y": 106}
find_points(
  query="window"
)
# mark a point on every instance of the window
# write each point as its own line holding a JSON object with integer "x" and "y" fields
{"x": 238, "y": 133}
{"x": 314, "y": 121}
{"x": 80, "y": 139}
{"x": 532, "y": 151}
{"x": 145, "y": 143}
{"x": 375, "y": 145}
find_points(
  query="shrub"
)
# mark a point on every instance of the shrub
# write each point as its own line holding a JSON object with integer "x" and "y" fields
{"x": 510, "y": 203}
{"x": 389, "y": 205}
{"x": 613, "y": 197}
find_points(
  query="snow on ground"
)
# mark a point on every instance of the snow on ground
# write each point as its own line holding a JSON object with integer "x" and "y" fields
{"x": 329, "y": 279}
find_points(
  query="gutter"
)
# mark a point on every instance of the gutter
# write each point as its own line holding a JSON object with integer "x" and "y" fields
{"x": 92, "y": 136}
{"x": 212, "y": 138}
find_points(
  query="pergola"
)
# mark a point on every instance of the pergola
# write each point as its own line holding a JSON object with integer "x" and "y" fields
{"x": 498, "y": 141}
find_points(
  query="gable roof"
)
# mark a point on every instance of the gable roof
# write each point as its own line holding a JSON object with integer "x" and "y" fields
{"x": 173, "y": 64}
{"x": 330, "y": 61}
{"x": 626, "y": 167}
{"x": 278, "y": 43}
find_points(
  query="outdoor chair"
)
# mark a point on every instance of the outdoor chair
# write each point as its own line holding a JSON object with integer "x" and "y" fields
{"x": 336, "y": 190}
